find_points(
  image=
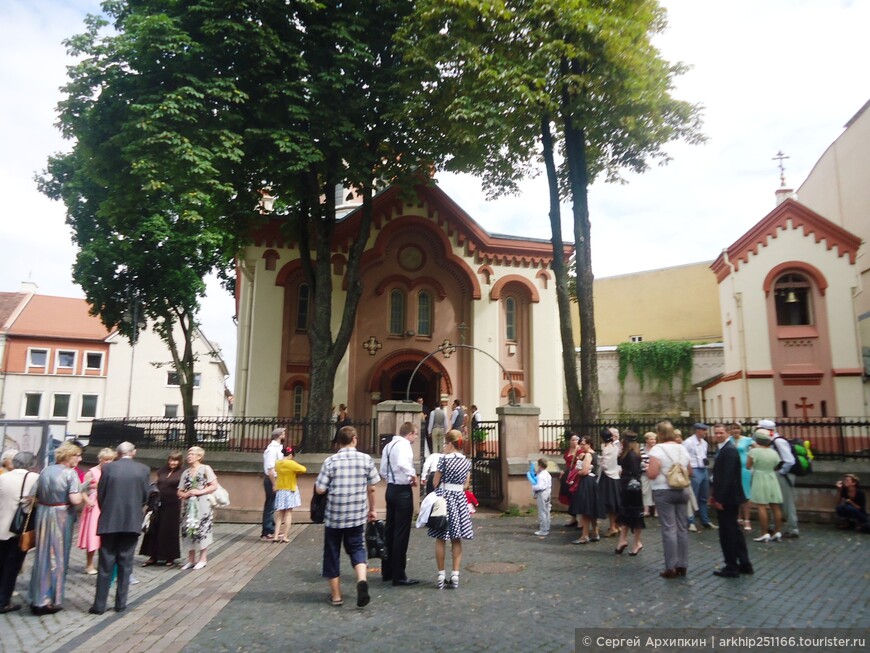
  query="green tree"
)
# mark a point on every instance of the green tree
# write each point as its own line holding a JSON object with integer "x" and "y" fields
{"x": 184, "y": 113}
{"x": 574, "y": 84}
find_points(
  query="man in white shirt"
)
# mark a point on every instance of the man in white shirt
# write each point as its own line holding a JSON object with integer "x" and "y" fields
{"x": 696, "y": 447}
{"x": 786, "y": 479}
{"x": 397, "y": 466}
{"x": 273, "y": 453}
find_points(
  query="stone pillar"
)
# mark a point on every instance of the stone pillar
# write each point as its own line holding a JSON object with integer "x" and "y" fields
{"x": 391, "y": 416}
{"x": 519, "y": 444}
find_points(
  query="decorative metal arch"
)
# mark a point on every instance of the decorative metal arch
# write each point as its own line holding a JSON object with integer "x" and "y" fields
{"x": 448, "y": 348}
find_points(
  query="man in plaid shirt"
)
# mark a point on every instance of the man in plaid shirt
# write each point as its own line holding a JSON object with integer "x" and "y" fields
{"x": 349, "y": 476}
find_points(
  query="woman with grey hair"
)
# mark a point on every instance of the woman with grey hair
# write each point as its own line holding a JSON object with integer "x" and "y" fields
{"x": 16, "y": 487}
{"x": 6, "y": 460}
{"x": 57, "y": 492}
{"x": 197, "y": 482}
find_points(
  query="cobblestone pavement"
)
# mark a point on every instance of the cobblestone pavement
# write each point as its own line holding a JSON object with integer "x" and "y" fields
{"x": 518, "y": 592}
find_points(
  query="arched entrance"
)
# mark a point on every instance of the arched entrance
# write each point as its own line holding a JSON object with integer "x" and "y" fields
{"x": 390, "y": 378}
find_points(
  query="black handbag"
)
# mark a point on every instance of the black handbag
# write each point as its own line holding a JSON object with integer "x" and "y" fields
{"x": 376, "y": 535}
{"x": 20, "y": 523}
{"x": 318, "y": 507}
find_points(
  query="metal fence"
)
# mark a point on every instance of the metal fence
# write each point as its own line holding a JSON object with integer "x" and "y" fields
{"x": 242, "y": 434}
{"x": 831, "y": 438}
{"x": 486, "y": 464}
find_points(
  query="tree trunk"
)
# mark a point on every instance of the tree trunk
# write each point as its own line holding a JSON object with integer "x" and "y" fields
{"x": 578, "y": 180}
{"x": 326, "y": 354}
{"x": 184, "y": 365}
{"x": 569, "y": 359}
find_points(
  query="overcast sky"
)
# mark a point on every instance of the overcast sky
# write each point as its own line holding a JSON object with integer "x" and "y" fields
{"x": 772, "y": 75}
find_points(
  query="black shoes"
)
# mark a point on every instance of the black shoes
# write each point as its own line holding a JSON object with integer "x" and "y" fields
{"x": 747, "y": 569}
{"x": 40, "y": 610}
{"x": 93, "y": 610}
{"x": 11, "y": 607}
{"x": 726, "y": 573}
{"x": 405, "y": 582}
{"x": 362, "y": 594}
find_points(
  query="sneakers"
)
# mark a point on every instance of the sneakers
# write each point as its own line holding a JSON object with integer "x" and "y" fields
{"x": 439, "y": 582}
{"x": 693, "y": 528}
{"x": 454, "y": 582}
{"x": 542, "y": 533}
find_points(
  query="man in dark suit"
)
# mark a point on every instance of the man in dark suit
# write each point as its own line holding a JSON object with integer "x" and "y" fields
{"x": 121, "y": 494}
{"x": 726, "y": 497}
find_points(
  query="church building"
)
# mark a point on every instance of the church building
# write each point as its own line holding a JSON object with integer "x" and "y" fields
{"x": 432, "y": 278}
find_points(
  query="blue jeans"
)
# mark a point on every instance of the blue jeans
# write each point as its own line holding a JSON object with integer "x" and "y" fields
{"x": 701, "y": 488}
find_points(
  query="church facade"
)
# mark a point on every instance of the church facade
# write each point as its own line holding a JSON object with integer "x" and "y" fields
{"x": 432, "y": 278}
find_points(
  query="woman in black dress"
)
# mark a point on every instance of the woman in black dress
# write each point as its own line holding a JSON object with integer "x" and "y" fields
{"x": 630, "y": 515}
{"x": 584, "y": 501}
{"x": 161, "y": 543}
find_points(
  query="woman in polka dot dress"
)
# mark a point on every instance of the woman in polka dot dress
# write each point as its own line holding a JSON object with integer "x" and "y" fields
{"x": 450, "y": 479}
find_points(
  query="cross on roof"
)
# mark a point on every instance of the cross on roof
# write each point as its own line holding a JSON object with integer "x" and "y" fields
{"x": 781, "y": 157}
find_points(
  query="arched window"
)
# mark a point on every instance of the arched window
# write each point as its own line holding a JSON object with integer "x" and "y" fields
{"x": 510, "y": 319}
{"x": 792, "y": 295}
{"x": 424, "y": 313}
{"x": 302, "y": 304}
{"x": 397, "y": 312}
{"x": 298, "y": 397}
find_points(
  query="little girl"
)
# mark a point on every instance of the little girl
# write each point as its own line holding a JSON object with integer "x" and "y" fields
{"x": 286, "y": 494}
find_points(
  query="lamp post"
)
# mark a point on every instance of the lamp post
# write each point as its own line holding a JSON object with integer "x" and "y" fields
{"x": 132, "y": 317}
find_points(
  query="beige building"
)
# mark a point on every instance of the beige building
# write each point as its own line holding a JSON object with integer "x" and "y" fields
{"x": 643, "y": 306}
{"x": 430, "y": 274}
{"x": 839, "y": 189}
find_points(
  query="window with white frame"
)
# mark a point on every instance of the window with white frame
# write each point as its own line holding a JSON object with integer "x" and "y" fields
{"x": 173, "y": 381}
{"x": 635, "y": 338}
{"x": 37, "y": 357}
{"x": 89, "y": 406}
{"x": 66, "y": 359}
{"x": 170, "y": 410}
{"x": 94, "y": 360}
{"x": 397, "y": 312}
{"x": 298, "y": 396}
{"x": 60, "y": 405}
{"x": 32, "y": 403}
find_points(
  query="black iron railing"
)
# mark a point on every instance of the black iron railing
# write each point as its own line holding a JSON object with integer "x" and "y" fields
{"x": 486, "y": 463}
{"x": 831, "y": 438}
{"x": 242, "y": 434}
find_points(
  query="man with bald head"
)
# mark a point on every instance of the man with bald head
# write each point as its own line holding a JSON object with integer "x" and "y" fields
{"x": 121, "y": 494}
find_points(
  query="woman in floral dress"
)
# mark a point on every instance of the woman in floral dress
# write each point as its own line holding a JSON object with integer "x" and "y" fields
{"x": 197, "y": 482}
{"x": 450, "y": 479}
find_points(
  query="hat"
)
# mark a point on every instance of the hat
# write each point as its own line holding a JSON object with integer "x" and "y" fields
{"x": 762, "y": 436}
{"x": 768, "y": 424}
{"x": 289, "y": 451}
{"x": 700, "y": 426}
{"x": 629, "y": 436}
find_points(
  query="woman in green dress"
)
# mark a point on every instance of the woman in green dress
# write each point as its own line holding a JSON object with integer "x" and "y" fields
{"x": 763, "y": 460}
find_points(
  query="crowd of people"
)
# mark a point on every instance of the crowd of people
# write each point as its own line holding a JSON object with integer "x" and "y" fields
{"x": 622, "y": 485}
{"x": 103, "y": 511}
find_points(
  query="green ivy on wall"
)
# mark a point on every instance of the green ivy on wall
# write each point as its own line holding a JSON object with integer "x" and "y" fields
{"x": 658, "y": 361}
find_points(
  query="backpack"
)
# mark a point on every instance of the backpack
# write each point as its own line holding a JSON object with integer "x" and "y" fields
{"x": 803, "y": 456}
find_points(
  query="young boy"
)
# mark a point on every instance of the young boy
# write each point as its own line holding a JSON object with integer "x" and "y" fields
{"x": 542, "y": 488}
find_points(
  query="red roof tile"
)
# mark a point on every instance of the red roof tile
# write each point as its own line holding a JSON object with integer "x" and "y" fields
{"x": 58, "y": 317}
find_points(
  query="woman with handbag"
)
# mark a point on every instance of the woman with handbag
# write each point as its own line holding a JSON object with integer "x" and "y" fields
{"x": 630, "y": 516}
{"x": 671, "y": 498}
{"x": 16, "y": 488}
{"x": 453, "y": 472}
{"x": 88, "y": 538}
{"x": 197, "y": 521}
{"x": 58, "y": 491}
{"x": 160, "y": 542}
